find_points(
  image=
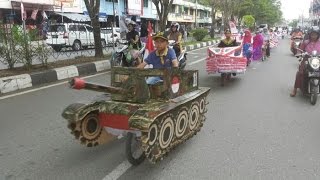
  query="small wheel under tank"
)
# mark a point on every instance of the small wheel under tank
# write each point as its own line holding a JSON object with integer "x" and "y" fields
{"x": 313, "y": 98}
{"x": 134, "y": 151}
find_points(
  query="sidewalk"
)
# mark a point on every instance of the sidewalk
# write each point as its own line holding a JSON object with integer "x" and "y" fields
{"x": 23, "y": 81}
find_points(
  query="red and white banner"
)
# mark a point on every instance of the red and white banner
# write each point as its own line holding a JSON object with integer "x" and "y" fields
{"x": 226, "y": 60}
{"x": 233, "y": 28}
{"x": 149, "y": 45}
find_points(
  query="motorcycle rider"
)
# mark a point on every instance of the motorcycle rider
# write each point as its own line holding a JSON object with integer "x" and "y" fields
{"x": 309, "y": 45}
{"x": 133, "y": 36}
{"x": 175, "y": 35}
{"x": 162, "y": 57}
{"x": 295, "y": 34}
{"x": 134, "y": 44}
{"x": 227, "y": 42}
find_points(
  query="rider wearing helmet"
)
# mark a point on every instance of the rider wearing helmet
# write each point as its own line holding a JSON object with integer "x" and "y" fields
{"x": 133, "y": 36}
{"x": 177, "y": 37}
{"x": 312, "y": 44}
{"x": 134, "y": 44}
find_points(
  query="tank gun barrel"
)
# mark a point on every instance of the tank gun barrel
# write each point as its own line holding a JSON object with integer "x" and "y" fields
{"x": 77, "y": 83}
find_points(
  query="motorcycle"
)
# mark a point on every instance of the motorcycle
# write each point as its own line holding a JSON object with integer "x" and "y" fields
{"x": 310, "y": 87}
{"x": 296, "y": 41}
{"x": 123, "y": 57}
{"x": 182, "y": 58}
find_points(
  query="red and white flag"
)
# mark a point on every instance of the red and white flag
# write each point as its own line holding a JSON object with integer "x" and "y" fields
{"x": 34, "y": 14}
{"x": 23, "y": 13}
{"x": 149, "y": 45}
{"x": 44, "y": 15}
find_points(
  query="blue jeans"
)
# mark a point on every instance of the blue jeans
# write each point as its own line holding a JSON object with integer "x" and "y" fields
{"x": 153, "y": 80}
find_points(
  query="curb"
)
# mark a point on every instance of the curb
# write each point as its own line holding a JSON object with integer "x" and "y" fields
{"x": 22, "y": 81}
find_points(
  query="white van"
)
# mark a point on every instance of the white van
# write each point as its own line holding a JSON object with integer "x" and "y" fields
{"x": 72, "y": 35}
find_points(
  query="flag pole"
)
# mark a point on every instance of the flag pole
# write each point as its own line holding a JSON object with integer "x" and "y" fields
{"x": 23, "y": 20}
{"x": 114, "y": 25}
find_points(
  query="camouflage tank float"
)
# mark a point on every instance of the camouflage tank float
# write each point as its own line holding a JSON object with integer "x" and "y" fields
{"x": 155, "y": 118}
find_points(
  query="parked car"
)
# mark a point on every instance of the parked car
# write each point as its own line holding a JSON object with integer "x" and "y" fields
{"x": 107, "y": 34}
{"x": 261, "y": 26}
{"x": 73, "y": 35}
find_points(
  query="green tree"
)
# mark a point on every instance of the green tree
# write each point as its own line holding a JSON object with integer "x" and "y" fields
{"x": 93, "y": 7}
{"x": 248, "y": 21}
{"x": 163, "y": 7}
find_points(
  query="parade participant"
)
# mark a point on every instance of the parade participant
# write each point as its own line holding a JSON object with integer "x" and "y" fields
{"x": 257, "y": 46}
{"x": 247, "y": 44}
{"x": 309, "y": 45}
{"x": 227, "y": 41}
{"x": 134, "y": 45}
{"x": 266, "y": 44}
{"x": 162, "y": 57}
{"x": 175, "y": 35}
{"x": 133, "y": 36}
{"x": 295, "y": 34}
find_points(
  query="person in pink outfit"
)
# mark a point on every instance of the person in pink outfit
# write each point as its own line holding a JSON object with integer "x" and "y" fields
{"x": 308, "y": 46}
{"x": 257, "y": 46}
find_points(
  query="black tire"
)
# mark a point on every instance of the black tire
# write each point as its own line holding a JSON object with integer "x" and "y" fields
{"x": 314, "y": 94}
{"x": 116, "y": 60}
{"x": 57, "y": 48}
{"x": 313, "y": 98}
{"x": 76, "y": 45}
{"x": 131, "y": 138}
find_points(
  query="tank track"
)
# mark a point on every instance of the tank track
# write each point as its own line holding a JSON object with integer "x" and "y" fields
{"x": 173, "y": 128}
{"x": 88, "y": 130}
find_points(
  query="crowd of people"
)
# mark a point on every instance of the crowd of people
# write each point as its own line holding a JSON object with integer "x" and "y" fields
{"x": 255, "y": 47}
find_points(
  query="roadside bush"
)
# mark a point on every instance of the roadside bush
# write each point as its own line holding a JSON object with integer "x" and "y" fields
{"x": 199, "y": 34}
{"x": 16, "y": 46}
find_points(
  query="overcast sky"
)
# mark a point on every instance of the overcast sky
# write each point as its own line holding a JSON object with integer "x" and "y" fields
{"x": 293, "y": 8}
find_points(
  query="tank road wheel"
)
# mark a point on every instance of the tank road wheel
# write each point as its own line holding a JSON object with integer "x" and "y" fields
{"x": 182, "y": 123}
{"x": 152, "y": 134}
{"x": 90, "y": 129}
{"x": 202, "y": 105}
{"x": 90, "y": 132}
{"x": 166, "y": 132}
{"x": 134, "y": 151}
{"x": 194, "y": 115}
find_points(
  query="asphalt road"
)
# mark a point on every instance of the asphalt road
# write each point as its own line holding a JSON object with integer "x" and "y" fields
{"x": 254, "y": 130}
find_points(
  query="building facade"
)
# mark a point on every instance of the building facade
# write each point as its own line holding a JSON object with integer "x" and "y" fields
{"x": 189, "y": 14}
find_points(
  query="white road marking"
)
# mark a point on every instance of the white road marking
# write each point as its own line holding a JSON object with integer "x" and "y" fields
{"x": 192, "y": 52}
{"x": 118, "y": 171}
{"x": 194, "y": 62}
{"x": 46, "y": 87}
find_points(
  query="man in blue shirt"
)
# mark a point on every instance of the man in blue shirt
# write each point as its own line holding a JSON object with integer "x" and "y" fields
{"x": 162, "y": 57}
